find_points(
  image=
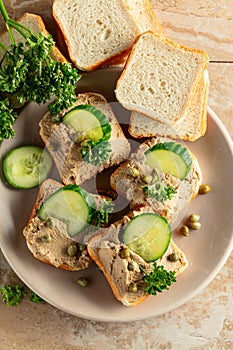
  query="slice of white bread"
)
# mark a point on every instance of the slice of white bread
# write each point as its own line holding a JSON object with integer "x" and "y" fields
{"x": 104, "y": 249}
{"x": 130, "y": 187}
{"x": 191, "y": 127}
{"x": 100, "y": 32}
{"x": 160, "y": 77}
{"x": 36, "y": 24}
{"x": 60, "y": 141}
{"x": 49, "y": 242}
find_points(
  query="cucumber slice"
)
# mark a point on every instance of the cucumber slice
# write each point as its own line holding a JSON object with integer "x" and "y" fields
{"x": 27, "y": 166}
{"x": 69, "y": 205}
{"x": 171, "y": 158}
{"x": 148, "y": 235}
{"x": 89, "y": 121}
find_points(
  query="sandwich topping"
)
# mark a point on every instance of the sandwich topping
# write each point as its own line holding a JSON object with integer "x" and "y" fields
{"x": 92, "y": 130}
{"x": 76, "y": 208}
{"x": 49, "y": 241}
{"x": 170, "y": 157}
{"x": 148, "y": 235}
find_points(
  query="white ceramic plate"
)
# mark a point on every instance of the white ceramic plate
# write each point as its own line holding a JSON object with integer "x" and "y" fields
{"x": 206, "y": 249}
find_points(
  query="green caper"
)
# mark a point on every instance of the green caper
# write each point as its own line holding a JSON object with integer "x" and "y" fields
{"x": 81, "y": 247}
{"x": 132, "y": 265}
{"x": 196, "y": 225}
{"x": 72, "y": 249}
{"x": 55, "y": 118}
{"x": 147, "y": 179}
{"x": 46, "y": 239}
{"x": 203, "y": 189}
{"x": 134, "y": 172}
{"x": 173, "y": 257}
{"x": 125, "y": 253}
{"x": 82, "y": 281}
{"x": 49, "y": 223}
{"x": 194, "y": 218}
{"x": 133, "y": 287}
{"x": 184, "y": 230}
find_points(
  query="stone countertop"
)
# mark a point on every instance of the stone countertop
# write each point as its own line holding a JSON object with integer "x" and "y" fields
{"x": 206, "y": 321}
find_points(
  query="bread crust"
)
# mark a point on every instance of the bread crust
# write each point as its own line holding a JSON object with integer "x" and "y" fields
{"x": 47, "y": 188}
{"x": 78, "y": 171}
{"x": 43, "y": 193}
{"x": 200, "y": 100}
{"x": 168, "y": 41}
{"x": 114, "y": 246}
{"x": 147, "y": 15}
{"x": 187, "y": 189}
{"x": 55, "y": 52}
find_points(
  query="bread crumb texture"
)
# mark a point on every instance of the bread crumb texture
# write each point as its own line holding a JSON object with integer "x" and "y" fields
{"x": 160, "y": 77}
{"x": 91, "y": 29}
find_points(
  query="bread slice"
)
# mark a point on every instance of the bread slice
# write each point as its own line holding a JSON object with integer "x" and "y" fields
{"x": 130, "y": 188}
{"x": 104, "y": 249}
{"x": 60, "y": 141}
{"x": 96, "y": 32}
{"x": 54, "y": 251}
{"x": 160, "y": 77}
{"x": 36, "y": 24}
{"x": 191, "y": 127}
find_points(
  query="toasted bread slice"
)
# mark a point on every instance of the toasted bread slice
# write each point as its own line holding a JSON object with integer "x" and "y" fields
{"x": 36, "y": 24}
{"x": 130, "y": 188}
{"x": 191, "y": 127}
{"x": 66, "y": 152}
{"x": 54, "y": 251}
{"x": 160, "y": 77}
{"x": 97, "y": 33}
{"x": 104, "y": 249}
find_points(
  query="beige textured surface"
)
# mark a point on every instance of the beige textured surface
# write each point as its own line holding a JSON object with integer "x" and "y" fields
{"x": 205, "y": 322}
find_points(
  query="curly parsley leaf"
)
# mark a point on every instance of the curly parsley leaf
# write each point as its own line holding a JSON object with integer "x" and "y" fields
{"x": 34, "y": 298}
{"x": 12, "y": 295}
{"x": 7, "y": 119}
{"x": 159, "y": 191}
{"x": 101, "y": 216}
{"x": 28, "y": 72}
{"x": 158, "y": 280}
{"x": 95, "y": 152}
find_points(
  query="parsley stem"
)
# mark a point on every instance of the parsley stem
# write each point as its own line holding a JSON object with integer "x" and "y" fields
{"x": 18, "y": 26}
{"x": 6, "y": 19}
{"x": 3, "y": 46}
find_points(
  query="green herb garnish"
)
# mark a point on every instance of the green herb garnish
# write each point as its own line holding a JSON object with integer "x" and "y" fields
{"x": 101, "y": 216}
{"x": 158, "y": 280}
{"x": 159, "y": 191}
{"x": 7, "y": 119}
{"x": 96, "y": 152}
{"x": 28, "y": 73}
{"x": 12, "y": 295}
{"x": 34, "y": 298}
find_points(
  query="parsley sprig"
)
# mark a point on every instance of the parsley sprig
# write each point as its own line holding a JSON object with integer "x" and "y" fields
{"x": 100, "y": 216}
{"x": 7, "y": 118}
{"x": 13, "y": 295}
{"x": 158, "y": 280}
{"x": 159, "y": 191}
{"x": 28, "y": 73}
{"x": 96, "y": 152}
